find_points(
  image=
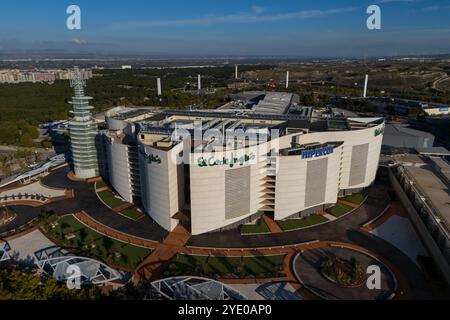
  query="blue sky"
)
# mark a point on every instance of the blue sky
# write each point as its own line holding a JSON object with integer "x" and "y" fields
{"x": 234, "y": 27}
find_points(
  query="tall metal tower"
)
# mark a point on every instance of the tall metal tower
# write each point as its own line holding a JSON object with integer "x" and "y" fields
{"x": 83, "y": 130}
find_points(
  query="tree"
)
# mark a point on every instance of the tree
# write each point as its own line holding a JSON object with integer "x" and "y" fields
{"x": 89, "y": 241}
{"x": 107, "y": 243}
{"x": 26, "y": 140}
{"x": 82, "y": 234}
{"x": 47, "y": 144}
{"x": 16, "y": 285}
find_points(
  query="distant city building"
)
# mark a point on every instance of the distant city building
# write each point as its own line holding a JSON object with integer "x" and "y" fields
{"x": 403, "y": 107}
{"x": 83, "y": 131}
{"x": 411, "y": 107}
{"x": 16, "y": 76}
{"x": 400, "y": 136}
{"x": 126, "y": 67}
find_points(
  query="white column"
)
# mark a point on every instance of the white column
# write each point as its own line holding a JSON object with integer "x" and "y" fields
{"x": 366, "y": 82}
{"x": 236, "y": 73}
{"x": 199, "y": 82}
{"x": 158, "y": 84}
{"x": 287, "y": 79}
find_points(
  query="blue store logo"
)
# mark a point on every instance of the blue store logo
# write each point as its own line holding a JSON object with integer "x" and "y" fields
{"x": 307, "y": 154}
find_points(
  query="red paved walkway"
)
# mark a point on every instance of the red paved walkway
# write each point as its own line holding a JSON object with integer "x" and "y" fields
{"x": 123, "y": 207}
{"x": 101, "y": 228}
{"x": 155, "y": 264}
{"x": 348, "y": 203}
{"x": 273, "y": 226}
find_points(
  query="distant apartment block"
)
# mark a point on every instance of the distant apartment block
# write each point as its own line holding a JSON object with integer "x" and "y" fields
{"x": 17, "y": 76}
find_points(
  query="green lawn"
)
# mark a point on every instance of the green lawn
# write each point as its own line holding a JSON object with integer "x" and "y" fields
{"x": 261, "y": 227}
{"x": 132, "y": 213}
{"x": 339, "y": 210}
{"x": 302, "y": 223}
{"x": 108, "y": 198}
{"x": 355, "y": 198}
{"x": 100, "y": 184}
{"x": 258, "y": 266}
{"x": 104, "y": 247}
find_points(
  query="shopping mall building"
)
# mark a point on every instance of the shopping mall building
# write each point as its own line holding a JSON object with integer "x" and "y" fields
{"x": 214, "y": 170}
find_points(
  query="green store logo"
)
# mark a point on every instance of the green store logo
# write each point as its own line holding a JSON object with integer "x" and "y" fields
{"x": 379, "y": 131}
{"x": 150, "y": 158}
{"x": 230, "y": 161}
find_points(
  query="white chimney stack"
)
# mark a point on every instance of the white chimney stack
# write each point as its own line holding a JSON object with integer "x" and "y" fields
{"x": 158, "y": 84}
{"x": 366, "y": 82}
{"x": 236, "y": 74}
{"x": 199, "y": 82}
{"x": 287, "y": 79}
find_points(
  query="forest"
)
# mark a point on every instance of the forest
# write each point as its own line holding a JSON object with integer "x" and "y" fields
{"x": 23, "y": 106}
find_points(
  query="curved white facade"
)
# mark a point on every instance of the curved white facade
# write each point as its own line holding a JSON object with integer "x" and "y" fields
{"x": 298, "y": 184}
{"x": 161, "y": 182}
{"x": 300, "y": 170}
{"x": 285, "y": 185}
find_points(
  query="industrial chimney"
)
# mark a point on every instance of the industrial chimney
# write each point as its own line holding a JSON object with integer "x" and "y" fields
{"x": 236, "y": 74}
{"x": 199, "y": 82}
{"x": 158, "y": 84}
{"x": 366, "y": 82}
{"x": 287, "y": 79}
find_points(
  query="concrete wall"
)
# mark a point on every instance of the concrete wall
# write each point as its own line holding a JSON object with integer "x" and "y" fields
{"x": 215, "y": 190}
{"x": 353, "y": 165}
{"x": 421, "y": 228}
{"x": 162, "y": 196}
{"x": 437, "y": 111}
{"x": 223, "y": 194}
{"x": 119, "y": 168}
{"x": 351, "y": 139}
{"x": 306, "y": 183}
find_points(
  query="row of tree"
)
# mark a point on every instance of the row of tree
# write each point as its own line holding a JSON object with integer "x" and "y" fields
{"x": 21, "y": 285}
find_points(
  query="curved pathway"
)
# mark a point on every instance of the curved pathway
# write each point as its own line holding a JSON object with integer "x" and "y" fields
{"x": 307, "y": 266}
{"x": 85, "y": 199}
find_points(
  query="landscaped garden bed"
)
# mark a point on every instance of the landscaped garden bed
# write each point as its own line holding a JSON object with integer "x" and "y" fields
{"x": 259, "y": 228}
{"x": 355, "y": 198}
{"x": 7, "y": 216}
{"x": 109, "y": 199}
{"x": 132, "y": 213}
{"x": 294, "y": 224}
{"x": 227, "y": 267}
{"x": 339, "y": 210}
{"x": 345, "y": 273}
{"x": 70, "y": 232}
{"x": 100, "y": 184}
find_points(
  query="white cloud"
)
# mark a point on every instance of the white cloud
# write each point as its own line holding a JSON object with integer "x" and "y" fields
{"x": 78, "y": 41}
{"x": 436, "y": 8}
{"x": 258, "y": 9}
{"x": 235, "y": 18}
{"x": 391, "y": 1}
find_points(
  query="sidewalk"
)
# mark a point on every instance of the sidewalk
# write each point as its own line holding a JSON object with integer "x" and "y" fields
{"x": 123, "y": 207}
{"x": 348, "y": 203}
{"x": 273, "y": 226}
{"x": 155, "y": 264}
{"x": 101, "y": 228}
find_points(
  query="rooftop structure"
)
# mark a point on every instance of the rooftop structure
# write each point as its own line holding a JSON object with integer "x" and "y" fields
{"x": 402, "y": 136}
{"x": 434, "y": 151}
{"x": 261, "y": 102}
{"x": 195, "y": 288}
{"x": 57, "y": 261}
{"x": 83, "y": 131}
{"x": 407, "y": 107}
{"x": 4, "y": 248}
